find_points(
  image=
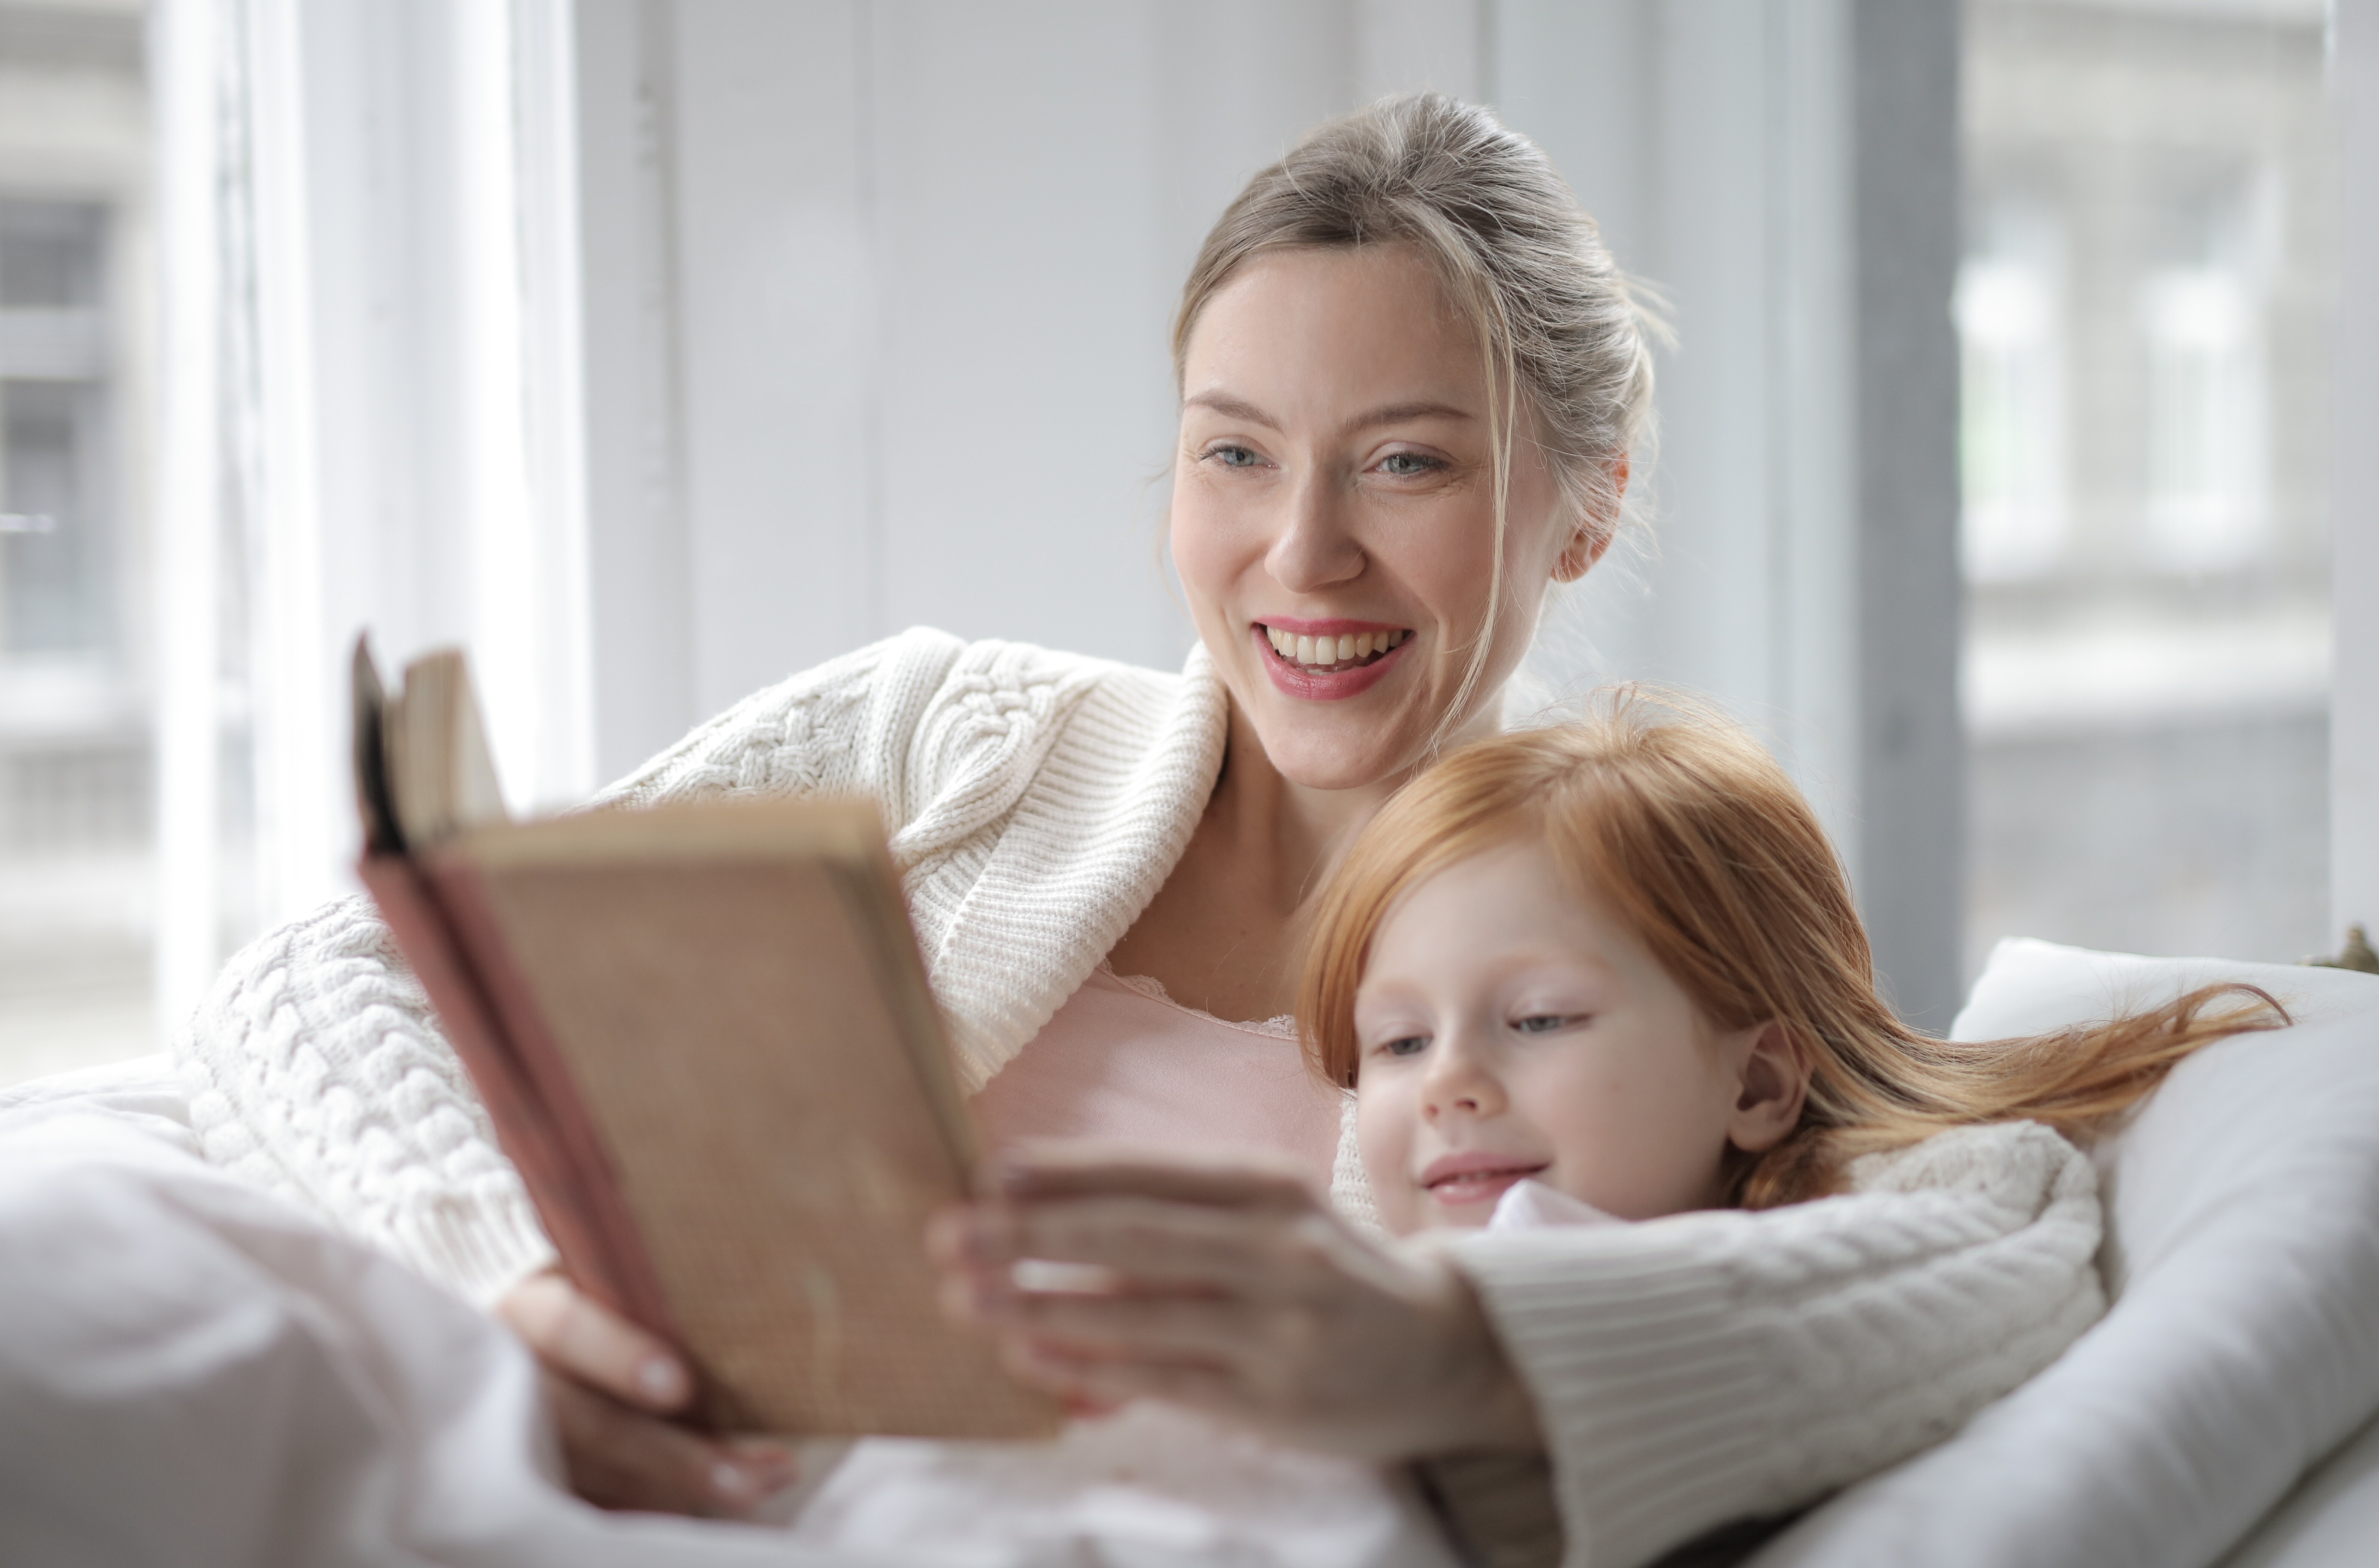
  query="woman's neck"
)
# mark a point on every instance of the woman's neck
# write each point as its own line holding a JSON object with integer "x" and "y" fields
{"x": 1295, "y": 831}
{"x": 1222, "y": 932}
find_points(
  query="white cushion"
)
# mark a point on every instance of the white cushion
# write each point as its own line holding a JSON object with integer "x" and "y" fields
{"x": 2243, "y": 1259}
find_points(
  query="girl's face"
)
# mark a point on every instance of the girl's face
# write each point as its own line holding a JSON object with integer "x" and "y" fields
{"x": 1334, "y": 515}
{"x": 1511, "y": 1029}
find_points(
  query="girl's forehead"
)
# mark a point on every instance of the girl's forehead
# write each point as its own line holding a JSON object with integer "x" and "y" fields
{"x": 1511, "y": 891}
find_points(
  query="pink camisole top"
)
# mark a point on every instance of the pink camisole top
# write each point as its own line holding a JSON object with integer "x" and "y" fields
{"x": 1122, "y": 1061}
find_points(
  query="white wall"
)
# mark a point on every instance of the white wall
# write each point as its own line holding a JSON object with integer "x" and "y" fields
{"x": 878, "y": 302}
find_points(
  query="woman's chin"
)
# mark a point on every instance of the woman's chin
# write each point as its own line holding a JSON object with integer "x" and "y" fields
{"x": 1345, "y": 746}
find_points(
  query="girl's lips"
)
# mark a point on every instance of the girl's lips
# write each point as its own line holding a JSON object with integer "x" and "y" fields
{"x": 1325, "y": 685}
{"x": 1476, "y": 1177}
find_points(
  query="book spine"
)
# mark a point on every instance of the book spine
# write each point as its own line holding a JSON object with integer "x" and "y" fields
{"x": 559, "y": 1183}
{"x": 632, "y": 1286}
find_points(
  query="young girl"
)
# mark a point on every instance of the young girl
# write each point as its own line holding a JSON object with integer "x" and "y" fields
{"x": 1607, "y": 973}
{"x": 1613, "y": 972}
{"x": 1620, "y": 959}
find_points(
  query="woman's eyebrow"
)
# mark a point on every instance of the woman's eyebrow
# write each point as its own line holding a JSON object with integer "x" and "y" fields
{"x": 1232, "y": 407}
{"x": 1397, "y": 413}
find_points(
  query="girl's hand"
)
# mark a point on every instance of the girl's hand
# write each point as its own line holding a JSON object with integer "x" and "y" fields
{"x": 1228, "y": 1286}
{"x": 609, "y": 1387}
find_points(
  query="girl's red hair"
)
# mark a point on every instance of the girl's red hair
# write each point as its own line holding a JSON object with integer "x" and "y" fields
{"x": 1684, "y": 826}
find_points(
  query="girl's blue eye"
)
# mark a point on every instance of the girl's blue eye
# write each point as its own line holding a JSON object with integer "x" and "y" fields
{"x": 1410, "y": 1046}
{"x": 1540, "y": 1023}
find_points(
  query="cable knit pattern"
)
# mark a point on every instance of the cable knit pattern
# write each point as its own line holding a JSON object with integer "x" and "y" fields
{"x": 1712, "y": 1366}
{"x": 1037, "y": 801}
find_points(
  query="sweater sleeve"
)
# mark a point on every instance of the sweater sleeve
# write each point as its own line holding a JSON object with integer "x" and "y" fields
{"x": 316, "y": 1067}
{"x": 1715, "y": 1365}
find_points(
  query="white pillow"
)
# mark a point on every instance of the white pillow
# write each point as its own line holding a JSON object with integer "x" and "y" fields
{"x": 2242, "y": 1258}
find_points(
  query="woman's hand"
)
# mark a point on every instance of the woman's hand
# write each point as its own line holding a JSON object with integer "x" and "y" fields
{"x": 610, "y": 1387}
{"x": 1225, "y": 1286}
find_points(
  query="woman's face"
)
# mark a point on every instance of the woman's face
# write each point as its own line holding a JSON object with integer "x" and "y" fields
{"x": 1334, "y": 510}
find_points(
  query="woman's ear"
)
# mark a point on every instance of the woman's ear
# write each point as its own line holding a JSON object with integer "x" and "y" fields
{"x": 1585, "y": 547}
{"x": 1770, "y": 1091}
{"x": 1594, "y": 534}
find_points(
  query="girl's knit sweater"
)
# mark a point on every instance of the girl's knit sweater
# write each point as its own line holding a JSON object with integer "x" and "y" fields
{"x": 1688, "y": 1371}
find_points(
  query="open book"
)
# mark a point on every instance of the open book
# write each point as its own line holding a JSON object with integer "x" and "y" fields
{"x": 704, "y": 1035}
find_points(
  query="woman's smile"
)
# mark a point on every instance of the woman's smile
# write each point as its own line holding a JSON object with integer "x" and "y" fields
{"x": 1326, "y": 660}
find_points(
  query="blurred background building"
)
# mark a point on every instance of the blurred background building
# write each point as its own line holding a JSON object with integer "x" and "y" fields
{"x": 77, "y": 346}
{"x": 2146, "y": 310}
{"x": 656, "y": 348}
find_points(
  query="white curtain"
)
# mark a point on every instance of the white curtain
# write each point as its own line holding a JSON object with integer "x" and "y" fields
{"x": 371, "y": 420}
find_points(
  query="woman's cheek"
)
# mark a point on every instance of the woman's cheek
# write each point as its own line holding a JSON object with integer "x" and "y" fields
{"x": 1195, "y": 552}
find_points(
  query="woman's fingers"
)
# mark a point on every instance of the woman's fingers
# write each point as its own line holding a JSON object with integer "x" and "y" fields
{"x": 1229, "y": 1179}
{"x": 622, "y": 1458}
{"x": 1100, "y": 1383}
{"x": 1150, "y": 1242}
{"x": 1214, "y": 1330}
{"x": 575, "y": 1334}
{"x": 607, "y": 1385}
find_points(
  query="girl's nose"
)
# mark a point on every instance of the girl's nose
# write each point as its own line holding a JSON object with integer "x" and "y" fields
{"x": 1315, "y": 548}
{"x": 1461, "y": 1083}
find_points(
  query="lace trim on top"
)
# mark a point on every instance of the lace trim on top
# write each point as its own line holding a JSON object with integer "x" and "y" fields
{"x": 1281, "y": 1027}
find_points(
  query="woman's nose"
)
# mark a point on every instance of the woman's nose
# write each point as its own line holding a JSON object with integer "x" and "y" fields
{"x": 1315, "y": 548}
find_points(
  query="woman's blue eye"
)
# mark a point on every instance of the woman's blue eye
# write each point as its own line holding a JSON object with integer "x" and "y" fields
{"x": 1408, "y": 465}
{"x": 1234, "y": 456}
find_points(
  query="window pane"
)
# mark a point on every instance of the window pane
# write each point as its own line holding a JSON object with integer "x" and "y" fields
{"x": 49, "y": 255}
{"x": 77, "y": 870}
{"x": 57, "y": 580}
{"x": 2142, "y": 313}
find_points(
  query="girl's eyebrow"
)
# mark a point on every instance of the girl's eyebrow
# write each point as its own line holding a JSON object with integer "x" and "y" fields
{"x": 1232, "y": 407}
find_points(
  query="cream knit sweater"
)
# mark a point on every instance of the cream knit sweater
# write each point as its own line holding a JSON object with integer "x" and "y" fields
{"x": 1688, "y": 1371}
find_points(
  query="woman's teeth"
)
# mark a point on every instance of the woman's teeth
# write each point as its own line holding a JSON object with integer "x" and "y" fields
{"x": 1321, "y": 653}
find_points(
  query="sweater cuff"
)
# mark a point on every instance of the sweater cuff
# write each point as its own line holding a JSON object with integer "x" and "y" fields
{"x": 1497, "y": 1509}
{"x": 477, "y": 1247}
{"x": 1653, "y": 1396}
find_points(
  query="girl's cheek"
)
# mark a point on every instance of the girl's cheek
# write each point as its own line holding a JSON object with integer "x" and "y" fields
{"x": 1384, "y": 1132}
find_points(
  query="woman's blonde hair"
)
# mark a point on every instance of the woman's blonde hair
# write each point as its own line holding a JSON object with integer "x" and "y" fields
{"x": 1679, "y": 823}
{"x": 1555, "y": 320}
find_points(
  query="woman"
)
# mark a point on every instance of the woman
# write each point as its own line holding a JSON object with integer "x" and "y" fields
{"x": 1411, "y": 381}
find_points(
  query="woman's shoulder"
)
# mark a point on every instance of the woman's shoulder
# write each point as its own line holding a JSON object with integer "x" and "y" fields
{"x": 924, "y": 669}
{"x": 906, "y": 715}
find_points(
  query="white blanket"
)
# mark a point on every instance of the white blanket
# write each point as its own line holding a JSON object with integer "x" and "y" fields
{"x": 194, "y": 1374}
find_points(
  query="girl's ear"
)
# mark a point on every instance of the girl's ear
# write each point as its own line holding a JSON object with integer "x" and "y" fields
{"x": 1773, "y": 1085}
